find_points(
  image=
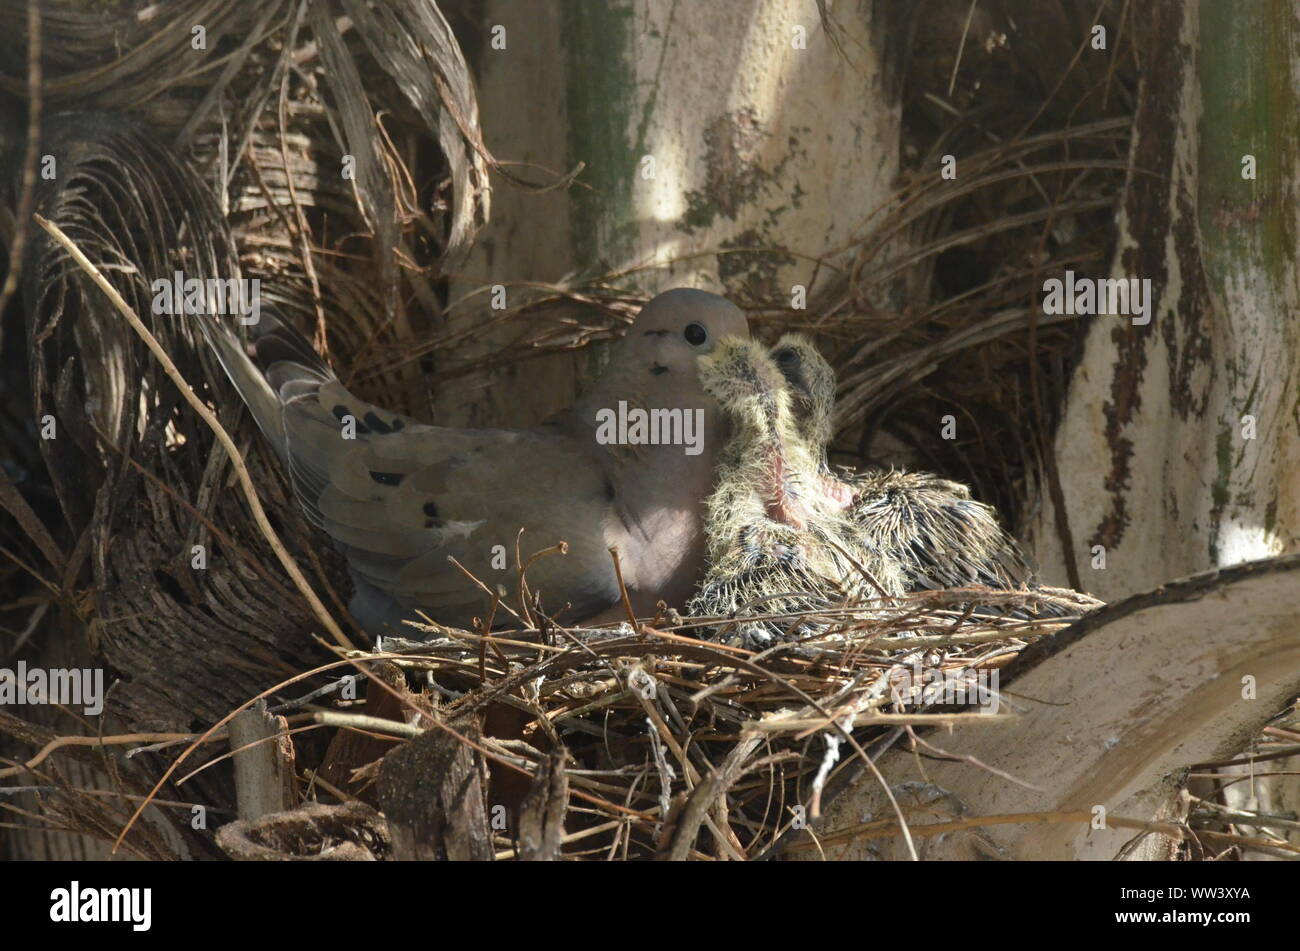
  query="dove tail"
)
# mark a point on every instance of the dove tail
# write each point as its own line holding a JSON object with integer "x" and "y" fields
{"x": 274, "y": 361}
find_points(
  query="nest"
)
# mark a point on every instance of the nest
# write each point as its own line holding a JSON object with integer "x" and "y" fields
{"x": 678, "y": 747}
{"x": 644, "y": 740}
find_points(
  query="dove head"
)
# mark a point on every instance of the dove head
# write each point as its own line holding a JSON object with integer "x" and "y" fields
{"x": 812, "y": 387}
{"x": 653, "y": 366}
{"x": 659, "y": 350}
{"x": 750, "y": 389}
{"x": 811, "y": 382}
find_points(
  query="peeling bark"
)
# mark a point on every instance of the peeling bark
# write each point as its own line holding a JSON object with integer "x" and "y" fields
{"x": 432, "y": 791}
{"x": 1194, "y": 416}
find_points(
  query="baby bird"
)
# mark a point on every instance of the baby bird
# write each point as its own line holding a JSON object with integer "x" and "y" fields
{"x": 940, "y": 536}
{"x": 937, "y": 534}
{"x": 773, "y": 547}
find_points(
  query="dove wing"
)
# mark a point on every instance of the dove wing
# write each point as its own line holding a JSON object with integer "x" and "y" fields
{"x": 401, "y": 498}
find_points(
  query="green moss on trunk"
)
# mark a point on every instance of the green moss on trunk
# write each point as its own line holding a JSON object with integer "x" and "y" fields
{"x": 601, "y": 97}
{"x": 1249, "y": 108}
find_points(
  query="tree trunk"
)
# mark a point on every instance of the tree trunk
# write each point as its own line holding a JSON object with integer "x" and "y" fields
{"x": 1180, "y": 439}
{"x": 725, "y": 146}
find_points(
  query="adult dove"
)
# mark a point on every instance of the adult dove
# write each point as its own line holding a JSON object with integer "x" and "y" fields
{"x": 629, "y": 466}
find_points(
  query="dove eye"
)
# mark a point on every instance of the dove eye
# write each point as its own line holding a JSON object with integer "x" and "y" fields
{"x": 695, "y": 334}
{"x": 788, "y": 359}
